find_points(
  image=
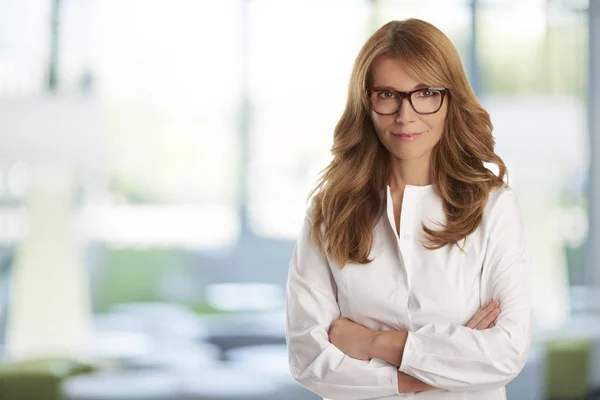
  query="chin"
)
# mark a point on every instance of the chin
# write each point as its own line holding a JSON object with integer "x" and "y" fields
{"x": 409, "y": 154}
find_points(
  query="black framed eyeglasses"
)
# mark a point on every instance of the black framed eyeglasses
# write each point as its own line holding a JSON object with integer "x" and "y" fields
{"x": 424, "y": 101}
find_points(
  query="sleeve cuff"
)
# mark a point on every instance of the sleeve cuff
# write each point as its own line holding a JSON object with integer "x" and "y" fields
{"x": 408, "y": 354}
{"x": 334, "y": 370}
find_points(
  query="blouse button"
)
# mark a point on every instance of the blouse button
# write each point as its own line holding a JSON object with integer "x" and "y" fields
{"x": 406, "y": 237}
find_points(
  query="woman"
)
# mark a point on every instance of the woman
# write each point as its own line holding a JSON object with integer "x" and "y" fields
{"x": 411, "y": 244}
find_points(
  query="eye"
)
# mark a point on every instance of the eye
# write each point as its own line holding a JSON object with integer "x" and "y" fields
{"x": 385, "y": 95}
{"x": 428, "y": 92}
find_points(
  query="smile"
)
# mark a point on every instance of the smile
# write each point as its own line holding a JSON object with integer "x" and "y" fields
{"x": 407, "y": 136}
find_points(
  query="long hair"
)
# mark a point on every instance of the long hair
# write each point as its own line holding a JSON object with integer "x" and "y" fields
{"x": 348, "y": 197}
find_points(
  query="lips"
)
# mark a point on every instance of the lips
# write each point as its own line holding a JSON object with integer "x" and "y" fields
{"x": 406, "y": 135}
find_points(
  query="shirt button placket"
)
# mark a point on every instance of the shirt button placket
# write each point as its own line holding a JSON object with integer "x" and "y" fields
{"x": 406, "y": 232}
{"x": 406, "y": 227}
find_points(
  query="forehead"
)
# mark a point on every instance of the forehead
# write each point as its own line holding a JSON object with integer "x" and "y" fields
{"x": 390, "y": 73}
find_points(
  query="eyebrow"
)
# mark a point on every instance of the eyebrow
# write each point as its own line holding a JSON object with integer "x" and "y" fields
{"x": 385, "y": 87}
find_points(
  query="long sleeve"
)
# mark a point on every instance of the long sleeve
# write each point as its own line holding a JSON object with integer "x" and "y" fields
{"x": 311, "y": 307}
{"x": 458, "y": 358}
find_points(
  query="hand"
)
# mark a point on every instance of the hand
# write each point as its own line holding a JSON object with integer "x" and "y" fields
{"x": 351, "y": 338}
{"x": 485, "y": 317}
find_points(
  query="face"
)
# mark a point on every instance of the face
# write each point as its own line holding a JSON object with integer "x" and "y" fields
{"x": 425, "y": 130}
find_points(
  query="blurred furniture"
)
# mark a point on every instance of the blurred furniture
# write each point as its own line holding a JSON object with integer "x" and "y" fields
{"x": 582, "y": 329}
{"x": 152, "y": 335}
{"x": 568, "y": 368}
{"x": 272, "y": 360}
{"x": 117, "y": 347}
{"x": 37, "y": 379}
{"x": 176, "y": 355}
{"x": 242, "y": 297}
{"x": 54, "y": 140}
{"x": 132, "y": 275}
{"x": 217, "y": 382}
{"x": 229, "y": 331}
{"x": 587, "y": 325}
{"x": 124, "y": 385}
{"x": 230, "y": 383}
{"x": 163, "y": 319}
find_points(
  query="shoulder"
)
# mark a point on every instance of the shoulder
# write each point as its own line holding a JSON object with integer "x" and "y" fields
{"x": 500, "y": 194}
{"x": 310, "y": 208}
{"x": 312, "y": 213}
{"x": 502, "y": 205}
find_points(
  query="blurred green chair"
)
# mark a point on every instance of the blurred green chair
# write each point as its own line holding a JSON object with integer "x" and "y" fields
{"x": 37, "y": 379}
{"x": 134, "y": 275}
{"x": 568, "y": 369}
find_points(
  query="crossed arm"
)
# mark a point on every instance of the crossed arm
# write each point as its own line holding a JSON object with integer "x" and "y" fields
{"x": 362, "y": 343}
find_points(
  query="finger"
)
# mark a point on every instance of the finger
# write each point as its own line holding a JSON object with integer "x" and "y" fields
{"x": 482, "y": 313}
{"x": 489, "y": 307}
{"x": 490, "y": 318}
{"x": 480, "y": 321}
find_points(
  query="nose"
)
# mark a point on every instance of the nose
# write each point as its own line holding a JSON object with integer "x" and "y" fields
{"x": 405, "y": 113}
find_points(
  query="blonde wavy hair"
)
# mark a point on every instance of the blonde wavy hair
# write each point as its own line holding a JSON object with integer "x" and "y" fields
{"x": 348, "y": 198}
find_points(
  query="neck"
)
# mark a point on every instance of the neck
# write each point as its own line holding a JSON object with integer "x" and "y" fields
{"x": 416, "y": 172}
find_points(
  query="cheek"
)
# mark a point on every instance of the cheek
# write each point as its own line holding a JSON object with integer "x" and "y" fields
{"x": 436, "y": 125}
{"x": 378, "y": 122}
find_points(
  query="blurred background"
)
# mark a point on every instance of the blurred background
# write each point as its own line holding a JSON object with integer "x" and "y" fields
{"x": 155, "y": 158}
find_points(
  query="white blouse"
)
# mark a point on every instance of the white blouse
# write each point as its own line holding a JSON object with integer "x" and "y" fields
{"x": 431, "y": 294}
